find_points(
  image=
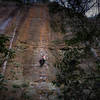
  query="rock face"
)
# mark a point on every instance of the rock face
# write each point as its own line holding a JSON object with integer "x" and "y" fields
{"x": 33, "y": 39}
{"x": 6, "y": 14}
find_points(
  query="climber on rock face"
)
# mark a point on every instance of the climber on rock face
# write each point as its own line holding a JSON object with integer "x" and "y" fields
{"x": 42, "y": 61}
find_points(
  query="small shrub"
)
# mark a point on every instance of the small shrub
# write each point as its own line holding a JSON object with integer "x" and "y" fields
{"x": 16, "y": 64}
{"x": 3, "y": 85}
{"x": 24, "y": 85}
{"x": 15, "y": 86}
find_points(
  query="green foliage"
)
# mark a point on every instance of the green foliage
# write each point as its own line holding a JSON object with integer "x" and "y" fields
{"x": 3, "y": 41}
{"x": 61, "y": 18}
{"x": 87, "y": 33}
{"x": 70, "y": 59}
{"x": 3, "y": 82}
{"x": 25, "y": 85}
{"x": 11, "y": 53}
{"x": 15, "y": 86}
{"x": 74, "y": 83}
{"x": 72, "y": 41}
{"x": 16, "y": 64}
{"x": 26, "y": 96}
{"x": 54, "y": 8}
{"x": 98, "y": 66}
{"x": 58, "y": 15}
{"x": 4, "y": 50}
